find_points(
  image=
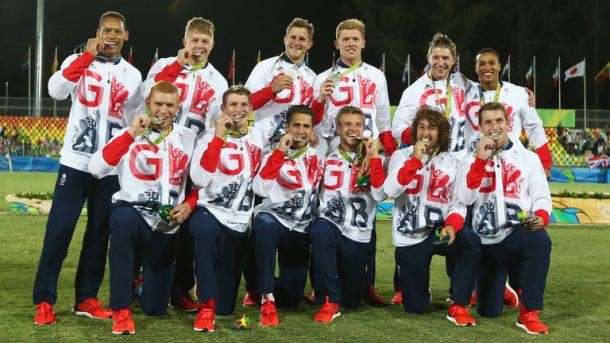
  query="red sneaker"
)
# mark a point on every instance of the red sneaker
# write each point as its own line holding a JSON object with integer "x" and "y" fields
{"x": 186, "y": 304}
{"x": 473, "y": 298}
{"x": 529, "y": 322}
{"x": 510, "y": 297}
{"x": 460, "y": 315}
{"x": 92, "y": 308}
{"x": 397, "y": 298}
{"x": 269, "y": 314}
{"x": 251, "y": 299}
{"x": 44, "y": 314}
{"x": 205, "y": 318}
{"x": 327, "y": 313}
{"x": 122, "y": 323}
{"x": 375, "y": 298}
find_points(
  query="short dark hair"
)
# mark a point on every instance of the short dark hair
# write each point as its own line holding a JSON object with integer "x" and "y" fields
{"x": 112, "y": 14}
{"x": 236, "y": 89}
{"x": 436, "y": 118}
{"x": 487, "y": 51}
{"x": 349, "y": 110}
{"x": 301, "y": 23}
{"x": 300, "y": 109}
{"x": 491, "y": 106}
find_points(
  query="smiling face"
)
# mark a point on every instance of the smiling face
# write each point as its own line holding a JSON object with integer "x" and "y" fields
{"x": 199, "y": 46}
{"x": 112, "y": 32}
{"x": 163, "y": 107}
{"x": 350, "y": 43}
{"x": 300, "y": 127}
{"x": 350, "y": 127}
{"x": 238, "y": 107}
{"x": 441, "y": 61}
{"x": 296, "y": 44}
{"x": 488, "y": 68}
{"x": 493, "y": 123}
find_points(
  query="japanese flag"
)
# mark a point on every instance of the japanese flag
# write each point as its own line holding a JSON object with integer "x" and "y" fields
{"x": 576, "y": 71}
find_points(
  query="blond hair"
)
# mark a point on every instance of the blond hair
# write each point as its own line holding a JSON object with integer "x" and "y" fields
{"x": 350, "y": 24}
{"x": 440, "y": 40}
{"x": 200, "y": 25}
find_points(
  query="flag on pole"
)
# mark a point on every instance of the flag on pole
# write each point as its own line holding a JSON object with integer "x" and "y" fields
{"x": 456, "y": 67}
{"x": 130, "y": 56}
{"x": 258, "y": 57}
{"x": 334, "y": 60}
{"x": 603, "y": 74}
{"x": 425, "y": 70}
{"x": 506, "y": 69}
{"x": 407, "y": 69}
{"x": 26, "y": 61}
{"x": 382, "y": 66}
{"x": 155, "y": 57}
{"x": 306, "y": 58}
{"x": 55, "y": 63}
{"x": 577, "y": 70}
{"x": 556, "y": 77}
{"x": 531, "y": 73}
{"x": 231, "y": 74}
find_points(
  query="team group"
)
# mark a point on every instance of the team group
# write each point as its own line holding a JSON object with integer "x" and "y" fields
{"x": 181, "y": 192}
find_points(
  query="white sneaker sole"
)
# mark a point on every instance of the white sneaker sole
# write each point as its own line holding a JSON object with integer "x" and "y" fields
{"x": 512, "y": 291}
{"x": 205, "y": 330}
{"x": 124, "y": 332}
{"x": 87, "y": 314}
{"x": 451, "y": 319}
{"x": 333, "y": 318}
{"x": 524, "y": 328}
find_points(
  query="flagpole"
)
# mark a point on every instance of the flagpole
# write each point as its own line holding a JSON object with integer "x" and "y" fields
{"x": 584, "y": 84}
{"x": 509, "y": 68}
{"x": 234, "y": 67}
{"x": 559, "y": 79}
{"x": 55, "y": 101}
{"x": 39, "y": 48}
{"x": 534, "y": 75}
{"x": 408, "y": 70}
{"x": 29, "y": 81}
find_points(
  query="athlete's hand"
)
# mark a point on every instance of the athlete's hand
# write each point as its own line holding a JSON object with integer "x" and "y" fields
{"x": 223, "y": 122}
{"x": 449, "y": 230}
{"x": 485, "y": 147}
{"x": 535, "y": 225}
{"x": 531, "y": 98}
{"x": 95, "y": 45}
{"x": 285, "y": 142}
{"x": 181, "y": 212}
{"x": 420, "y": 148}
{"x": 183, "y": 56}
{"x": 313, "y": 139}
{"x": 326, "y": 89}
{"x": 372, "y": 147}
{"x": 140, "y": 123}
{"x": 282, "y": 82}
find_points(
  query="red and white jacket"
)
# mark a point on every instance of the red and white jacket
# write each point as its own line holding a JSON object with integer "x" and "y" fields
{"x": 344, "y": 203}
{"x": 290, "y": 186}
{"x": 149, "y": 175}
{"x": 423, "y": 195}
{"x": 223, "y": 171}
{"x": 103, "y": 95}
{"x": 519, "y": 114}
{"x": 200, "y": 91}
{"x": 267, "y": 104}
{"x": 500, "y": 188}
{"x": 365, "y": 88}
{"x": 421, "y": 94}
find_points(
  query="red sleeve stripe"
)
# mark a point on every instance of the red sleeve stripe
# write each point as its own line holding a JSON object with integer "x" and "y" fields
{"x": 170, "y": 72}
{"x": 406, "y": 136}
{"x": 388, "y": 142}
{"x": 273, "y": 166}
{"x": 318, "y": 111}
{"x": 377, "y": 172}
{"x": 261, "y": 97}
{"x": 192, "y": 198}
{"x": 115, "y": 150}
{"x": 455, "y": 220}
{"x": 406, "y": 174}
{"x": 76, "y": 69}
{"x": 211, "y": 156}
{"x": 476, "y": 173}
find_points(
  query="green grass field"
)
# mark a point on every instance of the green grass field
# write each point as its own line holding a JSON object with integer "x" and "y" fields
{"x": 577, "y": 296}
